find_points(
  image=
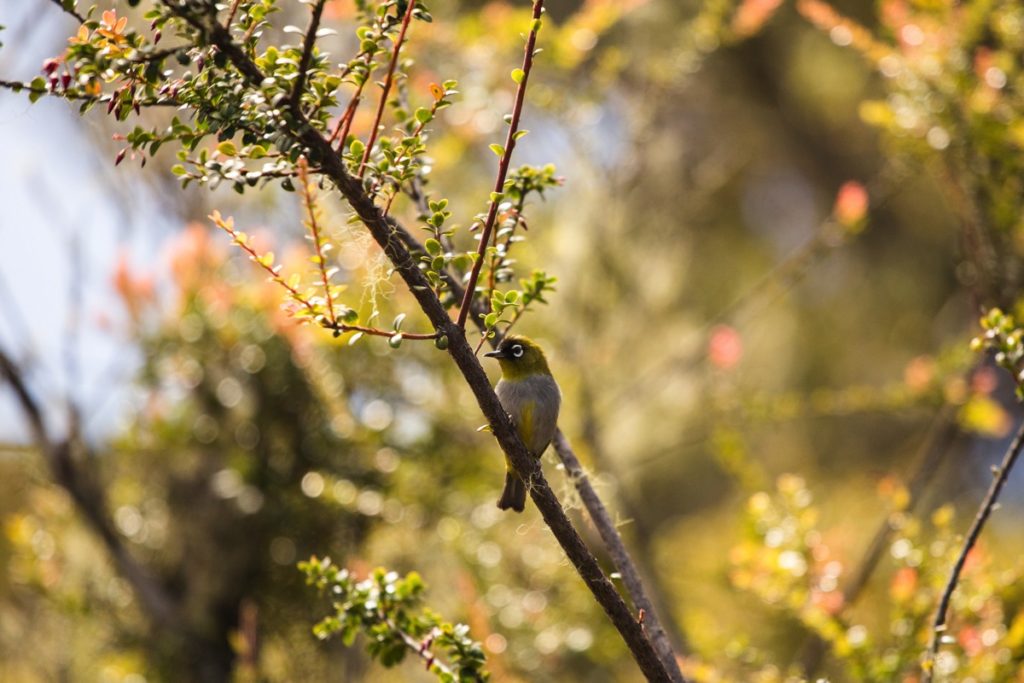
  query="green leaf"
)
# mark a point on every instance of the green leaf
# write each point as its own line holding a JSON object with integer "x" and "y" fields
{"x": 432, "y": 246}
{"x": 497, "y": 149}
{"x": 518, "y": 75}
{"x": 227, "y": 148}
{"x": 38, "y": 86}
{"x": 395, "y": 340}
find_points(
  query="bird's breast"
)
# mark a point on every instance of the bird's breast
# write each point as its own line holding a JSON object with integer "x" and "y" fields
{"x": 533, "y": 404}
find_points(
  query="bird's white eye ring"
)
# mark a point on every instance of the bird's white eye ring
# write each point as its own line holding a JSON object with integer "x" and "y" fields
{"x": 517, "y": 351}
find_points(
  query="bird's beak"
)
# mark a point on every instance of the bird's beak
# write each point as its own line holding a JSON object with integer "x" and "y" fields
{"x": 496, "y": 354}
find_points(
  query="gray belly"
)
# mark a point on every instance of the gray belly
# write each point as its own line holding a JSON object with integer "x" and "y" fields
{"x": 539, "y": 398}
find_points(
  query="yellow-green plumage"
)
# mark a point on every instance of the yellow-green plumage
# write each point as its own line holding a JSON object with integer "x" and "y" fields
{"x": 530, "y": 396}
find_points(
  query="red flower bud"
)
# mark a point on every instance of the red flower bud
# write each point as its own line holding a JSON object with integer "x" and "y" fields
{"x": 851, "y": 204}
{"x": 50, "y": 65}
{"x": 120, "y": 156}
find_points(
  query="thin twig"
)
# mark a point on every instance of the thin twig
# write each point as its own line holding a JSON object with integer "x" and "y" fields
{"x": 314, "y": 229}
{"x": 345, "y": 122}
{"x": 231, "y": 14}
{"x": 69, "y": 10}
{"x": 157, "y": 55}
{"x": 987, "y": 505}
{"x": 388, "y": 80}
{"x": 506, "y": 158}
{"x": 307, "y": 54}
{"x": 19, "y": 86}
{"x": 420, "y": 648}
{"x": 501, "y": 254}
{"x": 275, "y": 274}
{"x": 377, "y": 332}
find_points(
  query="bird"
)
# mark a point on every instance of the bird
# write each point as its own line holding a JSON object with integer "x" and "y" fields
{"x": 531, "y": 397}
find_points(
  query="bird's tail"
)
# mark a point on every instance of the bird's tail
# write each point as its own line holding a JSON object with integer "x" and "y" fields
{"x": 514, "y": 495}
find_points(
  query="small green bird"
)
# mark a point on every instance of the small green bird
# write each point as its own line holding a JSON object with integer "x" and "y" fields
{"x": 530, "y": 395}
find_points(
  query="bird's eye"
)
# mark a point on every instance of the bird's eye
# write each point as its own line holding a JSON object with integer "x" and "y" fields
{"x": 517, "y": 351}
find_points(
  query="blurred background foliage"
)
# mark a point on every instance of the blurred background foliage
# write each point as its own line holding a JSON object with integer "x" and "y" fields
{"x": 778, "y": 224}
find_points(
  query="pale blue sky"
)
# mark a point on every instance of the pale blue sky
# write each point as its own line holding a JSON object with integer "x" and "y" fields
{"x": 62, "y": 197}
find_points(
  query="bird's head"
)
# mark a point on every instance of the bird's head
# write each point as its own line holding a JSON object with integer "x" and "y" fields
{"x": 520, "y": 357}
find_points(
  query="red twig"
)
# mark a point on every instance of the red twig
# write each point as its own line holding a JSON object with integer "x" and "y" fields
{"x": 231, "y": 14}
{"x": 398, "y": 159}
{"x": 314, "y": 229}
{"x": 345, "y": 122}
{"x": 498, "y": 260}
{"x": 273, "y": 271}
{"x": 377, "y": 332}
{"x": 506, "y": 158}
{"x": 387, "y": 86}
{"x": 332, "y": 324}
{"x": 341, "y": 129}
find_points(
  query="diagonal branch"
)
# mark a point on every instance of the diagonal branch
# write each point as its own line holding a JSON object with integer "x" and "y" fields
{"x": 987, "y": 506}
